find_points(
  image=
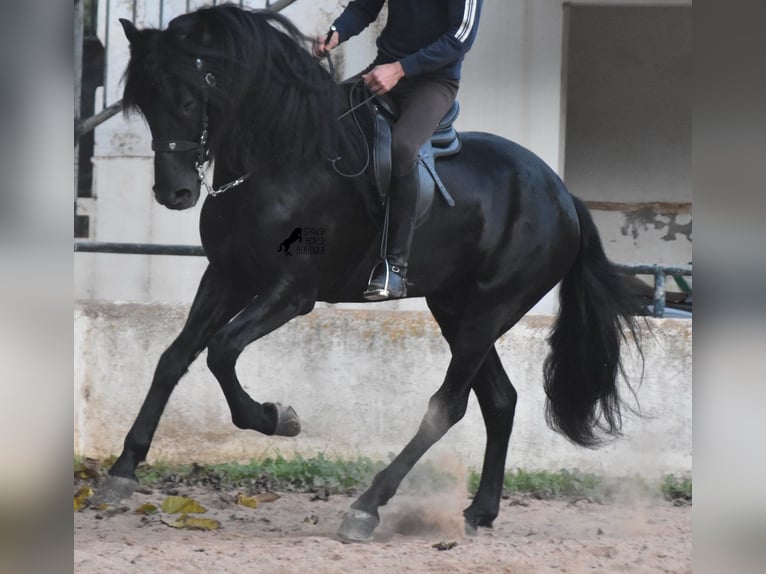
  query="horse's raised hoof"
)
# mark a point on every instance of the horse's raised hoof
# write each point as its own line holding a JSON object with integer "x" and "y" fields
{"x": 358, "y": 526}
{"x": 288, "y": 423}
{"x": 113, "y": 490}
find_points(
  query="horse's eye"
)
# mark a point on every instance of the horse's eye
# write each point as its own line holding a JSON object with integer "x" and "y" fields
{"x": 188, "y": 107}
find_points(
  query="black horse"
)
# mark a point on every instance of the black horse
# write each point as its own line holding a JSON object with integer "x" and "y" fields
{"x": 242, "y": 87}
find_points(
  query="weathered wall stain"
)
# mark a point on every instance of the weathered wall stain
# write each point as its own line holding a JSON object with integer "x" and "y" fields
{"x": 645, "y": 216}
{"x": 649, "y": 216}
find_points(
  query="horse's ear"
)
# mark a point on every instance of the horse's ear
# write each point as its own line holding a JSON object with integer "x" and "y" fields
{"x": 131, "y": 32}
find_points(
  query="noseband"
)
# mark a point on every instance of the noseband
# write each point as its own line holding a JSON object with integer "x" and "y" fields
{"x": 203, "y": 152}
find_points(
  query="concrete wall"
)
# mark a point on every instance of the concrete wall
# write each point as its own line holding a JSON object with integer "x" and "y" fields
{"x": 628, "y": 126}
{"x": 512, "y": 85}
{"x": 328, "y": 365}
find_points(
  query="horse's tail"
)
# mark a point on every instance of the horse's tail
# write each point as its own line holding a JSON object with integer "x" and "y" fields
{"x": 581, "y": 370}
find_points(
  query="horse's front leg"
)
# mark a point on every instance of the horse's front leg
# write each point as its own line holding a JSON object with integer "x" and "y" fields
{"x": 262, "y": 315}
{"x": 216, "y": 302}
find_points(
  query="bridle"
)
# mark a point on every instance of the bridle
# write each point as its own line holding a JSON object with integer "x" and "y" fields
{"x": 201, "y": 146}
{"x": 203, "y": 151}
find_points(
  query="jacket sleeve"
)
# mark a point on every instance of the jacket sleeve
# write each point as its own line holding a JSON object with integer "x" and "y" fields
{"x": 356, "y": 17}
{"x": 448, "y": 48}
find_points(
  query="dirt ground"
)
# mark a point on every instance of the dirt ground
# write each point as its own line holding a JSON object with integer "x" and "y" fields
{"x": 295, "y": 534}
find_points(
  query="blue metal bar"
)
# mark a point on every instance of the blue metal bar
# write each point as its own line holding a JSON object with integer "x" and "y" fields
{"x": 137, "y": 248}
{"x": 652, "y": 269}
{"x": 659, "y": 292}
{"x": 659, "y": 272}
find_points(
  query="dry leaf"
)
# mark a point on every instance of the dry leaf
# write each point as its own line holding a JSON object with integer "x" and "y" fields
{"x": 201, "y": 523}
{"x": 190, "y": 523}
{"x": 266, "y": 497}
{"x": 181, "y": 504}
{"x": 86, "y": 469}
{"x": 249, "y": 501}
{"x": 115, "y": 511}
{"x": 81, "y": 497}
{"x": 146, "y": 508}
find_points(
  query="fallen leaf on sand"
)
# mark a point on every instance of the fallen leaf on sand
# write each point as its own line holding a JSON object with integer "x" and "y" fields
{"x": 249, "y": 501}
{"x": 266, "y": 497}
{"x": 182, "y": 505}
{"x": 146, "y": 508}
{"x": 86, "y": 469}
{"x": 81, "y": 497}
{"x": 190, "y": 523}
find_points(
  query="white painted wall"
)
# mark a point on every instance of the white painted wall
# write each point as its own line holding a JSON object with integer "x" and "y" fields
{"x": 333, "y": 367}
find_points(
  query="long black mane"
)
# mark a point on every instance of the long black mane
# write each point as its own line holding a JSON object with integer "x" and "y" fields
{"x": 273, "y": 105}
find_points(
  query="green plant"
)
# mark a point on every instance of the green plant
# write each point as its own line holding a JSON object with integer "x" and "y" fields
{"x": 676, "y": 488}
{"x": 345, "y": 475}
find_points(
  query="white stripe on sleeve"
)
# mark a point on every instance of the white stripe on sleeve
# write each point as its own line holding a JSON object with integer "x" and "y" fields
{"x": 469, "y": 15}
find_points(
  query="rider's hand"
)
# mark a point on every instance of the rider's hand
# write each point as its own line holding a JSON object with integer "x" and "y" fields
{"x": 383, "y": 78}
{"x": 320, "y": 48}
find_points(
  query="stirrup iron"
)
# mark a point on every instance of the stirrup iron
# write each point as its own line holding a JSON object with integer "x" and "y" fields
{"x": 380, "y": 293}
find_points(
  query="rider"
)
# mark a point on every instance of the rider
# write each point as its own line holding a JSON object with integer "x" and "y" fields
{"x": 420, "y": 53}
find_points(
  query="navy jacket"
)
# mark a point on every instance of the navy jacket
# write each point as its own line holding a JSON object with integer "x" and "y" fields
{"x": 426, "y": 36}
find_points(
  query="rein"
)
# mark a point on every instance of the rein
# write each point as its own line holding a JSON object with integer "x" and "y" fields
{"x": 352, "y": 108}
{"x": 203, "y": 152}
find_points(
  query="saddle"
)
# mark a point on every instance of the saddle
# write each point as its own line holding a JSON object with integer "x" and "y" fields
{"x": 444, "y": 142}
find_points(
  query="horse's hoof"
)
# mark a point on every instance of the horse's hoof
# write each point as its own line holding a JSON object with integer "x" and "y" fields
{"x": 288, "y": 423}
{"x": 471, "y": 529}
{"x": 113, "y": 490}
{"x": 358, "y": 526}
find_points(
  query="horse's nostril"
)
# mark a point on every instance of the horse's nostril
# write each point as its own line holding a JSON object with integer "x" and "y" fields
{"x": 182, "y": 195}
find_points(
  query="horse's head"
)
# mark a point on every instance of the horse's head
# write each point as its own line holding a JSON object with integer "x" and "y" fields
{"x": 171, "y": 97}
{"x": 271, "y": 105}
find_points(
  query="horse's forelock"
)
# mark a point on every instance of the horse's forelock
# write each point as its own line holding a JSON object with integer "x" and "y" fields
{"x": 162, "y": 59}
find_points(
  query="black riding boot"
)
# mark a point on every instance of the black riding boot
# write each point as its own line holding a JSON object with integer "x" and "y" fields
{"x": 389, "y": 278}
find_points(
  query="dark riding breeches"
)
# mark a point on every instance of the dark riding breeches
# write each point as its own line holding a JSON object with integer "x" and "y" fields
{"x": 421, "y": 102}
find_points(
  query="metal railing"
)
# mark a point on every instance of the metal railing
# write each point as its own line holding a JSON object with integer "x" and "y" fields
{"x": 659, "y": 272}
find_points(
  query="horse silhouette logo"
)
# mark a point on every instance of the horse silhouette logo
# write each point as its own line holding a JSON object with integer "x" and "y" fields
{"x": 296, "y": 235}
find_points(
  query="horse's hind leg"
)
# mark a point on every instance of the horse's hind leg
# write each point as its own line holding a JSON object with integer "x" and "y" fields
{"x": 497, "y": 399}
{"x": 216, "y": 302}
{"x": 473, "y": 338}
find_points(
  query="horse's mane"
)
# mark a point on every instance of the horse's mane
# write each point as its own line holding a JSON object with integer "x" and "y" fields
{"x": 272, "y": 104}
